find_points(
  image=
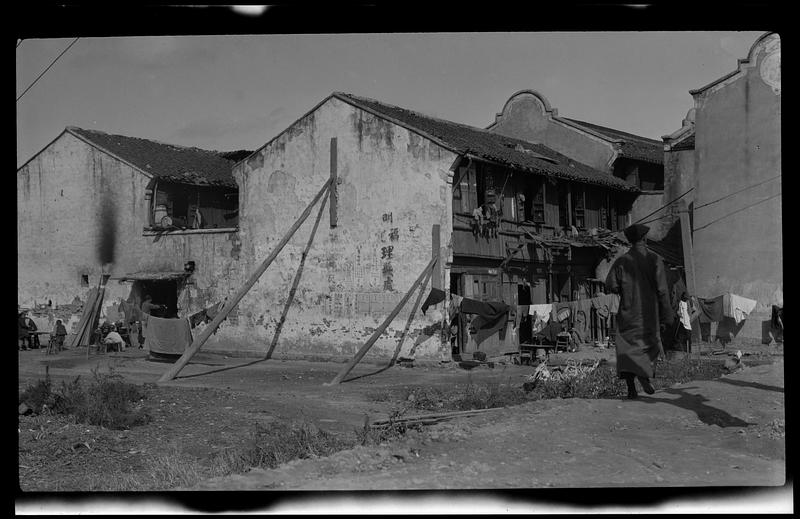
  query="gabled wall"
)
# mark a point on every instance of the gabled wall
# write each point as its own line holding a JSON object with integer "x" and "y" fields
{"x": 60, "y": 218}
{"x": 527, "y": 115}
{"x": 394, "y": 187}
{"x": 738, "y": 241}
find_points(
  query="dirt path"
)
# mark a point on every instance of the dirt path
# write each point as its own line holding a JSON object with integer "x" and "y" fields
{"x": 723, "y": 432}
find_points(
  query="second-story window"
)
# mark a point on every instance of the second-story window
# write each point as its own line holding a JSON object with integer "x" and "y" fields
{"x": 537, "y": 202}
{"x": 578, "y": 207}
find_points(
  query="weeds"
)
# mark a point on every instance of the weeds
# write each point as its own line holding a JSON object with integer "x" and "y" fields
{"x": 278, "y": 443}
{"x": 107, "y": 400}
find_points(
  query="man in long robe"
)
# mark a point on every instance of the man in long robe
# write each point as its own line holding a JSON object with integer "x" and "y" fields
{"x": 640, "y": 280}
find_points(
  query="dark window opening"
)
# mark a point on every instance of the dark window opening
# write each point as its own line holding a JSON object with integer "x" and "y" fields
{"x": 534, "y": 201}
{"x": 563, "y": 216}
{"x": 651, "y": 178}
{"x": 84, "y": 280}
{"x": 578, "y": 207}
{"x": 195, "y": 207}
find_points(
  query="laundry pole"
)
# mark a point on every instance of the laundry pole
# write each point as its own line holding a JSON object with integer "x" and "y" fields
{"x": 232, "y": 302}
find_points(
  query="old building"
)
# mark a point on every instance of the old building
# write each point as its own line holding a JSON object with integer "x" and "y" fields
{"x": 91, "y": 203}
{"x": 407, "y": 187}
{"x": 528, "y": 115}
{"x": 727, "y": 157}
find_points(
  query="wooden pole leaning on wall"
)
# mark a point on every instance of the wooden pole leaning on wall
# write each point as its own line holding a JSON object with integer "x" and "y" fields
{"x": 230, "y": 304}
{"x": 357, "y": 358}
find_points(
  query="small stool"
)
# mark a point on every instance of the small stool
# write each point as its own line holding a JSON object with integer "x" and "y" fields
{"x": 562, "y": 341}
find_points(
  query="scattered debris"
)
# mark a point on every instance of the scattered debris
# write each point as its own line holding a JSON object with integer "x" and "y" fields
{"x": 428, "y": 419}
{"x": 573, "y": 369}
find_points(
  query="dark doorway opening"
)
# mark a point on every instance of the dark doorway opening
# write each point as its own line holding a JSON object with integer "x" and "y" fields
{"x": 163, "y": 292}
{"x": 525, "y": 328}
{"x": 456, "y": 336}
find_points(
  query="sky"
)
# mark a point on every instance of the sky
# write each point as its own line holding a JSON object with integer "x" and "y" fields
{"x": 232, "y": 92}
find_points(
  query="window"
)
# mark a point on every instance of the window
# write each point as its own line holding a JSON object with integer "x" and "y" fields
{"x": 534, "y": 203}
{"x": 195, "y": 207}
{"x": 579, "y": 206}
{"x": 604, "y": 213}
{"x": 84, "y": 280}
{"x": 651, "y": 178}
{"x": 563, "y": 216}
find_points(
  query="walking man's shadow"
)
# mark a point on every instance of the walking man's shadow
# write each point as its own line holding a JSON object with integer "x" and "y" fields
{"x": 707, "y": 414}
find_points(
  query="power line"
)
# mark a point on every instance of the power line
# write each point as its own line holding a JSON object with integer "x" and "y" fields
{"x": 734, "y": 212}
{"x": 48, "y": 67}
{"x": 663, "y": 206}
{"x": 736, "y": 192}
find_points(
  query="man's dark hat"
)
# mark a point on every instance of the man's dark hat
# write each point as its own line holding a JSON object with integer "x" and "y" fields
{"x": 636, "y": 232}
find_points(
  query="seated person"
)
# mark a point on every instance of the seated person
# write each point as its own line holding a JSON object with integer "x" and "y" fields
{"x": 22, "y": 327}
{"x": 59, "y": 333}
{"x": 114, "y": 339}
{"x": 33, "y": 337}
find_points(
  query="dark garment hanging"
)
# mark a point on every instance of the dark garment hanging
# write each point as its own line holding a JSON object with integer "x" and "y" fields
{"x": 777, "y": 317}
{"x": 436, "y": 296}
{"x": 711, "y": 310}
{"x": 492, "y": 316}
{"x": 550, "y": 332}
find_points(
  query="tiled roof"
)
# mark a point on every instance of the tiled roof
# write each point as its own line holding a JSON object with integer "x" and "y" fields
{"x": 633, "y": 146}
{"x": 463, "y": 139}
{"x": 685, "y": 144}
{"x": 166, "y": 161}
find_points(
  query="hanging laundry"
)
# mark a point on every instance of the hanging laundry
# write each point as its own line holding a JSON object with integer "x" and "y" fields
{"x": 455, "y": 306}
{"x": 492, "y": 316}
{"x": 711, "y": 310}
{"x": 737, "y": 306}
{"x": 435, "y": 297}
{"x": 171, "y": 336}
{"x": 563, "y": 311}
{"x": 583, "y": 308}
{"x": 777, "y": 317}
{"x": 523, "y": 310}
{"x": 541, "y": 316}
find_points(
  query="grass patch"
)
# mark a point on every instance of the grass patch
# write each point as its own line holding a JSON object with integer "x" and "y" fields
{"x": 276, "y": 443}
{"x": 106, "y": 400}
{"x": 601, "y": 382}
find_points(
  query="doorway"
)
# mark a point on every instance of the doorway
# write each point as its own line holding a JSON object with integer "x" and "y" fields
{"x": 164, "y": 292}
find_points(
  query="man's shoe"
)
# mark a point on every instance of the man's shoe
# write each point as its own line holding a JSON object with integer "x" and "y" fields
{"x": 648, "y": 388}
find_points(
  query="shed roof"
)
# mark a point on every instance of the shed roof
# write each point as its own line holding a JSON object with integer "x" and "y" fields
{"x": 154, "y": 276}
{"x": 632, "y": 146}
{"x": 169, "y": 162}
{"x": 483, "y": 144}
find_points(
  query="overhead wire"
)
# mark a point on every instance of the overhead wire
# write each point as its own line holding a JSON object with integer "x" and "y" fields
{"x": 48, "y": 67}
{"x": 737, "y": 192}
{"x": 737, "y": 211}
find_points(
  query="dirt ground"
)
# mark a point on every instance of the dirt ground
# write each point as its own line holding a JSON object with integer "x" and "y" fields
{"x": 728, "y": 431}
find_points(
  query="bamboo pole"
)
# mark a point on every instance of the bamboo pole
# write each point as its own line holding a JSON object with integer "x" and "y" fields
{"x": 411, "y": 317}
{"x": 226, "y": 309}
{"x": 355, "y": 360}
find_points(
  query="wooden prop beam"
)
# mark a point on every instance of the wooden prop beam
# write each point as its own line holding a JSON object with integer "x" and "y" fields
{"x": 229, "y": 305}
{"x": 298, "y": 275}
{"x": 411, "y": 317}
{"x": 350, "y": 365}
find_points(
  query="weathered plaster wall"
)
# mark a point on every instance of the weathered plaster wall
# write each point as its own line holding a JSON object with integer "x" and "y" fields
{"x": 679, "y": 175}
{"x": 644, "y": 205}
{"x": 527, "y": 116}
{"x": 393, "y": 188}
{"x": 59, "y": 221}
{"x": 738, "y": 241}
